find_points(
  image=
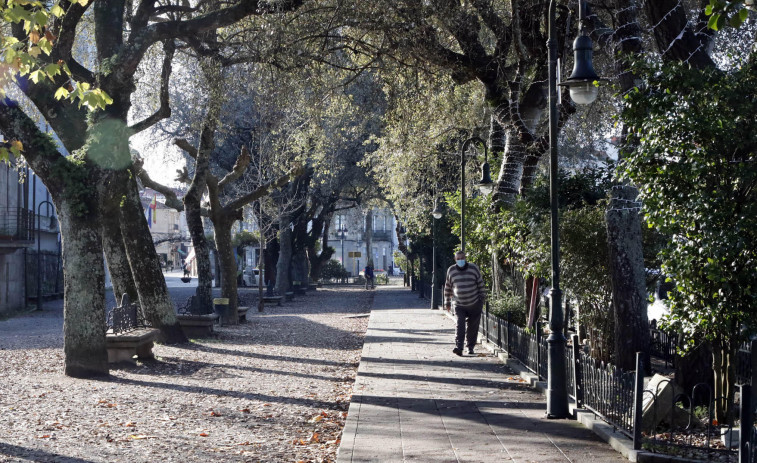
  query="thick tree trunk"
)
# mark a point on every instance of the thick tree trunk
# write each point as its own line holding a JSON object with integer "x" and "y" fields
{"x": 629, "y": 295}
{"x": 202, "y": 254}
{"x": 318, "y": 260}
{"x": 84, "y": 293}
{"x": 228, "y": 267}
{"x": 283, "y": 266}
{"x": 148, "y": 277}
{"x": 115, "y": 256}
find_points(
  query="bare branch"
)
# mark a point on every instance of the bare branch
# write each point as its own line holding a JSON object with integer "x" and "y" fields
{"x": 164, "y": 111}
{"x": 239, "y": 167}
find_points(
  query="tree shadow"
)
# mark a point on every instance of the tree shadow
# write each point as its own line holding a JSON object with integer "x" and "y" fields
{"x": 175, "y": 366}
{"x": 32, "y": 454}
{"x": 257, "y": 355}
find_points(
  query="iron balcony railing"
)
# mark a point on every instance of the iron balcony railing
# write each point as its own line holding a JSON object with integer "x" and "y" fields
{"x": 16, "y": 224}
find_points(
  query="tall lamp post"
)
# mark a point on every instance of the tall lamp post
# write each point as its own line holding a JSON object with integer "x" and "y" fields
{"x": 342, "y": 232}
{"x": 39, "y": 240}
{"x": 485, "y": 185}
{"x": 582, "y": 91}
{"x": 436, "y": 214}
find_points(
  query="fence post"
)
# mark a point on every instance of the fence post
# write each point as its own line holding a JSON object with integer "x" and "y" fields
{"x": 745, "y": 417}
{"x": 578, "y": 386}
{"x": 538, "y": 350}
{"x": 499, "y": 333}
{"x": 638, "y": 394}
{"x": 507, "y": 333}
{"x": 486, "y": 321}
{"x": 753, "y": 361}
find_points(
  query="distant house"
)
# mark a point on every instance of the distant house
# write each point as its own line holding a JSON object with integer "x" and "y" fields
{"x": 168, "y": 228}
{"x": 350, "y": 245}
{"x": 22, "y": 195}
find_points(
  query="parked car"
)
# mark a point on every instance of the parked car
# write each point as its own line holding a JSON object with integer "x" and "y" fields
{"x": 250, "y": 276}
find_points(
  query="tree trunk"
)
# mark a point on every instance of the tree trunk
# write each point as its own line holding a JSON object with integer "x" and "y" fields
{"x": 202, "y": 254}
{"x": 228, "y": 267}
{"x": 629, "y": 295}
{"x": 116, "y": 258}
{"x": 84, "y": 293}
{"x": 283, "y": 282}
{"x": 154, "y": 298}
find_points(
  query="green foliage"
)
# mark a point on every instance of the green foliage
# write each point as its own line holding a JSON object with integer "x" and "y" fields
{"x": 245, "y": 238}
{"x": 333, "y": 269}
{"x": 31, "y": 57}
{"x": 511, "y": 302}
{"x": 722, "y": 12}
{"x": 695, "y": 140}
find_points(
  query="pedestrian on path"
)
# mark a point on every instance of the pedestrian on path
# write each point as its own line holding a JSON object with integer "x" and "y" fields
{"x": 464, "y": 289}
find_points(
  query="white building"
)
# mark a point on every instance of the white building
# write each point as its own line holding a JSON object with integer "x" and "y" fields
{"x": 350, "y": 245}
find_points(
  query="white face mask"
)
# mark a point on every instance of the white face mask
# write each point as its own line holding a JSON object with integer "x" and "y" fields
{"x": 461, "y": 262}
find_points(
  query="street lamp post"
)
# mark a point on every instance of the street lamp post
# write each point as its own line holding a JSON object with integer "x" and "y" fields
{"x": 582, "y": 91}
{"x": 486, "y": 185}
{"x": 342, "y": 230}
{"x": 39, "y": 240}
{"x": 437, "y": 214}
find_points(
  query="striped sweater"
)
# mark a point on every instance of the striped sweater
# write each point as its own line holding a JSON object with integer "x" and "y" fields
{"x": 463, "y": 286}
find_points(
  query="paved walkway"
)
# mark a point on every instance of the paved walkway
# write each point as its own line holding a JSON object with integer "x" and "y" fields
{"x": 414, "y": 400}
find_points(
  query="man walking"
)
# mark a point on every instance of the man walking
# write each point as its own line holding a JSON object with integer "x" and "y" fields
{"x": 464, "y": 289}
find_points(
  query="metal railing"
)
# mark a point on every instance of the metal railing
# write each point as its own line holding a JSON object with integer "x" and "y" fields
{"x": 663, "y": 345}
{"x": 16, "y": 224}
{"x": 619, "y": 397}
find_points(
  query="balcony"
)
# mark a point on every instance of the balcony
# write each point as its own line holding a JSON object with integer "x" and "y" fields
{"x": 382, "y": 235}
{"x": 16, "y": 227}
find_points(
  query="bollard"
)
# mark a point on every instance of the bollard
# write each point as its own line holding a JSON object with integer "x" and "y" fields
{"x": 221, "y": 307}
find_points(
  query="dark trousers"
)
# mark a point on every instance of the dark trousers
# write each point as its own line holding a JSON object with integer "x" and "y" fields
{"x": 468, "y": 319}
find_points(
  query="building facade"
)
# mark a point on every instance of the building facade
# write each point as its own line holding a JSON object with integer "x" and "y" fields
{"x": 347, "y": 235}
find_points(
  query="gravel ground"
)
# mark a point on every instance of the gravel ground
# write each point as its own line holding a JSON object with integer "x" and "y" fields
{"x": 274, "y": 389}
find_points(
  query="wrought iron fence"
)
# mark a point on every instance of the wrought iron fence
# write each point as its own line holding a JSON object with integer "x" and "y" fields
{"x": 16, "y": 224}
{"x": 618, "y": 396}
{"x": 608, "y": 391}
{"x": 663, "y": 345}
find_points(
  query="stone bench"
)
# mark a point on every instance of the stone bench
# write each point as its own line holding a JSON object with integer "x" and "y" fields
{"x": 276, "y": 299}
{"x": 196, "y": 321}
{"x": 242, "y": 313}
{"x": 127, "y": 334}
{"x": 123, "y": 347}
{"x": 289, "y": 295}
{"x": 197, "y": 326}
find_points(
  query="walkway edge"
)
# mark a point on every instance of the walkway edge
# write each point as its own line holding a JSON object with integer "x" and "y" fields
{"x": 604, "y": 431}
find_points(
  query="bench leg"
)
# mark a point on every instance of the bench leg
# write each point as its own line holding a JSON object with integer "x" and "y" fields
{"x": 144, "y": 351}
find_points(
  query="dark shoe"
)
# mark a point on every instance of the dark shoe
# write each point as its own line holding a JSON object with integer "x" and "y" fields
{"x": 470, "y": 352}
{"x": 457, "y": 351}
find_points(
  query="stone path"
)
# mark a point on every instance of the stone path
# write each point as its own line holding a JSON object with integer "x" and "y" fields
{"x": 414, "y": 400}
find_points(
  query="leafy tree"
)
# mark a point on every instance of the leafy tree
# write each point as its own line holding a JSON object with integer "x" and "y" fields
{"x": 695, "y": 164}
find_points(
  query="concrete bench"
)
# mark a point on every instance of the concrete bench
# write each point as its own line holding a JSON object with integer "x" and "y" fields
{"x": 127, "y": 334}
{"x": 289, "y": 295}
{"x": 196, "y": 321}
{"x": 123, "y": 347}
{"x": 242, "y": 313}
{"x": 276, "y": 299}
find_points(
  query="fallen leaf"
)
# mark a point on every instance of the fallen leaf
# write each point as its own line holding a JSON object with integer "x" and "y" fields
{"x": 130, "y": 424}
{"x": 204, "y": 434}
{"x": 315, "y": 437}
{"x": 46, "y": 436}
{"x": 245, "y": 410}
{"x": 138, "y": 436}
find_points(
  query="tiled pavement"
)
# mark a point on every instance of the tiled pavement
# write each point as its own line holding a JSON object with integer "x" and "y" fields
{"x": 414, "y": 400}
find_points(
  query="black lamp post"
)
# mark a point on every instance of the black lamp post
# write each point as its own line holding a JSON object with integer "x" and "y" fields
{"x": 485, "y": 185}
{"x": 39, "y": 240}
{"x": 436, "y": 214}
{"x": 583, "y": 90}
{"x": 342, "y": 231}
